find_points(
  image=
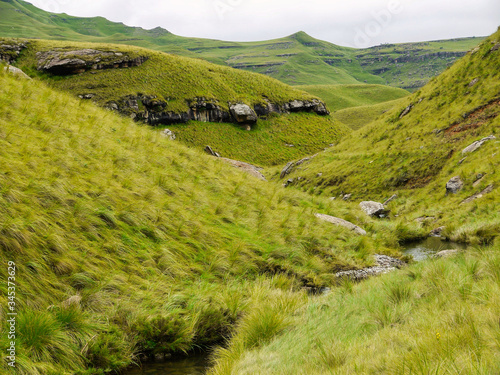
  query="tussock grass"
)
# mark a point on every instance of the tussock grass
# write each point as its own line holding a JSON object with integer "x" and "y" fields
{"x": 129, "y": 245}
{"x": 415, "y": 155}
{"x": 445, "y": 321}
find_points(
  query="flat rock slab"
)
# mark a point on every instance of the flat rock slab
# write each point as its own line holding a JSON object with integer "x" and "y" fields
{"x": 446, "y": 253}
{"x": 476, "y": 145}
{"x": 482, "y": 193}
{"x": 385, "y": 264}
{"x": 248, "y": 168}
{"x": 342, "y": 223}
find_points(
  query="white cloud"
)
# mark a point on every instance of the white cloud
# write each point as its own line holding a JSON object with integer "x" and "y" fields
{"x": 337, "y": 21}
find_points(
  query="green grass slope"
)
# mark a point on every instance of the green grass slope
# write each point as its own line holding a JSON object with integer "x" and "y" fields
{"x": 177, "y": 81}
{"x": 339, "y": 97}
{"x": 436, "y": 317}
{"x": 415, "y": 155}
{"x": 298, "y": 59}
{"x": 357, "y": 117}
{"x": 128, "y": 245}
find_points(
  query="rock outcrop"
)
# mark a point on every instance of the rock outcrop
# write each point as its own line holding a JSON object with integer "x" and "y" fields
{"x": 10, "y": 50}
{"x": 167, "y": 133}
{"x": 154, "y": 111}
{"x": 341, "y": 222}
{"x": 476, "y": 145}
{"x": 79, "y": 61}
{"x": 385, "y": 264}
{"x": 454, "y": 185}
{"x": 243, "y": 114}
{"x": 374, "y": 208}
{"x": 289, "y": 167}
{"x": 482, "y": 193}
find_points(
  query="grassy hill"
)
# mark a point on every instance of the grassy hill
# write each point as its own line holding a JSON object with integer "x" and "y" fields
{"x": 439, "y": 316}
{"x": 297, "y": 59}
{"x": 357, "y": 117}
{"x": 128, "y": 244}
{"x": 414, "y": 154}
{"x": 167, "y": 85}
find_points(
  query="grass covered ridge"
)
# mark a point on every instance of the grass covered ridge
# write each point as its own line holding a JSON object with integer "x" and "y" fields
{"x": 128, "y": 244}
{"x": 417, "y": 154}
{"x": 174, "y": 79}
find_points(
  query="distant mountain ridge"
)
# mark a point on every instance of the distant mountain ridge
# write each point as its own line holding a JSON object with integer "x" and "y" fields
{"x": 298, "y": 59}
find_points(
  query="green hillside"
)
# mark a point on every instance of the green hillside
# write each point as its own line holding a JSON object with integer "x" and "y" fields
{"x": 166, "y": 89}
{"x": 127, "y": 244}
{"x": 415, "y": 152}
{"x": 357, "y": 117}
{"x": 339, "y": 97}
{"x": 297, "y": 59}
{"x": 436, "y": 317}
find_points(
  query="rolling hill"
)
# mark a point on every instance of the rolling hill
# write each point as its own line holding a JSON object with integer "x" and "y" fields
{"x": 298, "y": 59}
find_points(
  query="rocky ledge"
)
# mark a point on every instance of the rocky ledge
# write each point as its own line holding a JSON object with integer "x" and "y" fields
{"x": 154, "y": 111}
{"x": 79, "y": 61}
{"x": 10, "y": 50}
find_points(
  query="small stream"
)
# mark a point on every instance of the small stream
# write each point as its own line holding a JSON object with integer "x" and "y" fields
{"x": 192, "y": 365}
{"x": 430, "y": 246}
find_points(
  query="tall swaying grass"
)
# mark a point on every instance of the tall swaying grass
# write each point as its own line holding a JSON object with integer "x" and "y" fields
{"x": 443, "y": 322}
{"x": 129, "y": 245}
{"x": 415, "y": 155}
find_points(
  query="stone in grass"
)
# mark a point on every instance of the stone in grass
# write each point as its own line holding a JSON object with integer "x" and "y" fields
{"x": 374, "y": 208}
{"x": 342, "y": 223}
{"x": 446, "y": 253}
{"x": 476, "y": 145}
{"x": 454, "y": 185}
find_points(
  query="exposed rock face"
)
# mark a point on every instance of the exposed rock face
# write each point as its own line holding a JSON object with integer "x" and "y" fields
{"x": 373, "y": 208}
{"x": 10, "y": 51}
{"x": 210, "y": 151}
{"x": 342, "y": 223}
{"x": 314, "y": 105}
{"x": 248, "y": 168}
{"x": 79, "y": 61}
{"x": 243, "y": 114}
{"x": 454, "y": 185}
{"x": 476, "y": 145}
{"x": 16, "y": 71}
{"x": 385, "y": 264}
{"x": 406, "y": 111}
{"x": 482, "y": 193}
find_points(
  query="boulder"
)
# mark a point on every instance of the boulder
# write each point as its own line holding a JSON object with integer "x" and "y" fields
{"x": 476, "y": 145}
{"x": 243, "y": 114}
{"x": 373, "y": 208}
{"x": 167, "y": 133}
{"x": 342, "y": 223}
{"x": 16, "y": 71}
{"x": 454, "y": 185}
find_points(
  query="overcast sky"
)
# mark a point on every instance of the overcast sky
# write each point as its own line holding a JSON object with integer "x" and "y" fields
{"x": 353, "y": 23}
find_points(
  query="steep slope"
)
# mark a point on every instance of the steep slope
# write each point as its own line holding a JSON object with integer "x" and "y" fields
{"x": 128, "y": 245}
{"x": 297, "y": 59}
{"x": 415, "y": 149}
